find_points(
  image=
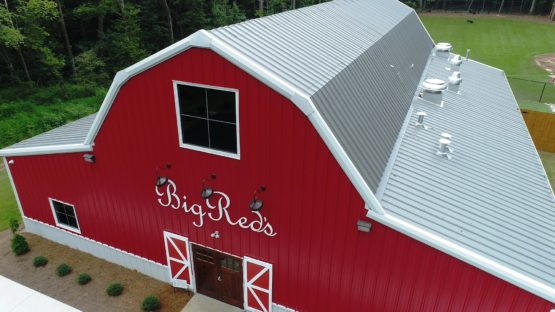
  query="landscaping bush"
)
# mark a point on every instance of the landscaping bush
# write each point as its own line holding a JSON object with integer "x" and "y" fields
{"x": 19, "y": 245}
{"x": 114, "y": 289}
{"x": 14, "y": 225}
{"x": 40, "y": 261}
{"x": 63, "y": 270}
{"x": 151, "y": 303}
{"x": 83, "y": 278}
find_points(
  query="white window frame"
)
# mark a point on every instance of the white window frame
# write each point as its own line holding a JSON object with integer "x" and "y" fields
{"x": 237, "y": 155}
{"x": 61, "y": 225}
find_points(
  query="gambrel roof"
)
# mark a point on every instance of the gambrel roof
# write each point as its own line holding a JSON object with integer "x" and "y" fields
{"x": 354, "y": 68}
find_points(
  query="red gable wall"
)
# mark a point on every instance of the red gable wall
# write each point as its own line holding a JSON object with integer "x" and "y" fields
{"x": 321, "y": 262}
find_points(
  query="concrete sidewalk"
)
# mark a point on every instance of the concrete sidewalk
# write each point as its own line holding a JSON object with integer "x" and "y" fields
{"x": 15, "y": 297}
{"x": 202, "y": 303}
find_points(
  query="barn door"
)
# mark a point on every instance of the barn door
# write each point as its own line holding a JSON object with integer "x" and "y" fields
{"x": 258, "y": 285}
{"x": 179, "y": 256}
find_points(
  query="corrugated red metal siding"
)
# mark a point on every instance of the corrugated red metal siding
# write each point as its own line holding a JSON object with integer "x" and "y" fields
{"x": 321, "y": 262}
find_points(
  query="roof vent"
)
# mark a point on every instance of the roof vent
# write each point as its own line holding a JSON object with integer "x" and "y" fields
{"x": 442, "y": 49}
{"x": 444, "y": 149}
{"x": 456, "y": 62}
{"x": 420, "y": 122}
{"x": 455, "y": 81}
{"x": 432, "y": 90}
{"x": 449, "y": 137}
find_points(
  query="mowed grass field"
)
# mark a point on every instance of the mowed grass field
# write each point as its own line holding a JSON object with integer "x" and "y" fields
{"x": 503, "y": 42}
{"x": 8, "y": 205}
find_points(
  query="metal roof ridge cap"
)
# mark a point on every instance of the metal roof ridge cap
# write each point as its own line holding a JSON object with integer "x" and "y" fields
{"x": 43, "y": 150}
{"x": 345, "y": 162}
{"x": 464, "y": 254}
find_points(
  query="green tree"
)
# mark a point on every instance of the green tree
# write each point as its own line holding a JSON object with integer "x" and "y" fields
{"x": 224, "y": 13}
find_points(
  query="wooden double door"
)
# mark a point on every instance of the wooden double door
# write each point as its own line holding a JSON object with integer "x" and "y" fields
{"x": 218, "y": 275}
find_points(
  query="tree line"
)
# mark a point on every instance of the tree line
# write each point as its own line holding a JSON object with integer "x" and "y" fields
{"x": 45, "y": 42}
{"x": 532, "y": 7}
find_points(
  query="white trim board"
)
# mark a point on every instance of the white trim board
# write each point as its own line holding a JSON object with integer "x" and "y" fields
{"x": 16, "y": 194}
{"x": 148, "y": 267}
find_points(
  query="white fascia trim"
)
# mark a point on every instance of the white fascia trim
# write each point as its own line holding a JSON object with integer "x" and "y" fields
{"x": 44, "y": 150}
{"x": 7, "y": 166}
{"x": 473, "y": 258}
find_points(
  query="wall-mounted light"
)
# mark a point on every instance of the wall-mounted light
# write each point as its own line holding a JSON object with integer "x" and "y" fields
{"x": 162, "y": 180}
{"x": 364, "y": 226}
{"x": 207, "y": 191}
{"x": 256, "y": 203}
{"x": 90, "y": 158}
{"x": 11, "y": 162}
{"x": 216, "y": 234}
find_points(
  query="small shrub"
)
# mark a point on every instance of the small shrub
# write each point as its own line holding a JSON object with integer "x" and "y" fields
{"x": 115, "y": 289}
{"x": 83, "y": 279}
{"x": 63, "y": 270}
{"x": 40, "y": 261}
{"x": 19, "y": 245}
{"x": 14, "y": 225}
{"x": 151, "y": 303}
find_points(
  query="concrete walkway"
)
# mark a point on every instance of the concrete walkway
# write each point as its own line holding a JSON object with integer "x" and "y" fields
{"x": 15, "y": 297}
{"x": 202, "y": 303}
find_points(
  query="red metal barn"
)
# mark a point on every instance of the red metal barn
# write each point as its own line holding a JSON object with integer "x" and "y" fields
{"x": 330, "y": 158}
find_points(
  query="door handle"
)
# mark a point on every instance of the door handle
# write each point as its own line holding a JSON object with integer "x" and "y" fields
{"x": 219, "y": 278}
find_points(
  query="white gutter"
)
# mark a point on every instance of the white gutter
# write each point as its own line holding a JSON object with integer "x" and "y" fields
{"x": 44, "y": 150}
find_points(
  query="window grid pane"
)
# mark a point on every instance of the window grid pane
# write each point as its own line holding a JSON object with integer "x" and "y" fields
{"x": 65, "y": 214}
{"x": 219, "y": 116}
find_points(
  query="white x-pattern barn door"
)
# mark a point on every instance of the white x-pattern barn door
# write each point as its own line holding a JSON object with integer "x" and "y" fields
{"x": 257, "y": 285}
{"x": 178, "y": 254}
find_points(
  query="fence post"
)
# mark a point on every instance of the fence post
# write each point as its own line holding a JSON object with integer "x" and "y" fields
{"x": 543, "y": 89}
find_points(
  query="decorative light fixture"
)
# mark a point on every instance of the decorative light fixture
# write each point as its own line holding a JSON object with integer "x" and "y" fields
{"x": 162, "y": 180}
{"x": 207, "y": 191}
{"x": 256, "y": 203}
{"x": 364, "y": 226}
{"x": 90, "y": 158}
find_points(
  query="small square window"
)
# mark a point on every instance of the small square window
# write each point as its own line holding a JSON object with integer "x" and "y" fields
{"x": 208, "y": 119}
{"x": 64, "y": 215}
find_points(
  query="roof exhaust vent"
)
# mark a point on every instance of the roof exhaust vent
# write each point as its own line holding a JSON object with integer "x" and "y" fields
{"x": 444, "y": 150}
{"x": 432, "y": 90}
{"x": 456, "y": 62}
{"x": 420, "y": 122}
{"x": 455, "y": 81}
{"x": 442, "y": 49}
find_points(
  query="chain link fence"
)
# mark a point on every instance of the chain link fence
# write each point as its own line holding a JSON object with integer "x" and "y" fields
{"x": 533, "y": 94}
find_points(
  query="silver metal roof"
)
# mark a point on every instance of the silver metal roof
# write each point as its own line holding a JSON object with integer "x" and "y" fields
{"x": 358, "y": 60}
{"x": 493, "y": 196}
{"x": 71, "y": 133}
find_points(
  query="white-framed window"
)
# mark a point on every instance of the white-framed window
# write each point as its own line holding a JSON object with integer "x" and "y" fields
{"x": 208, "y": 118}
{"x": 65, "y": 215}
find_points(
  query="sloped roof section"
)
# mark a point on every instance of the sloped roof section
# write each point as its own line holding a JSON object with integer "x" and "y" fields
{"x": 492, "y": 196}
{"x": 69, "y": 134}
{"x": 308, "y": 47}
{"x": 359, "y": 61}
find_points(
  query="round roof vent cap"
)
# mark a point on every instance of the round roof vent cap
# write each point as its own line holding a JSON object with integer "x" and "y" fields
{"x": 433, "y": 84}
{"x": 443, "y": 46}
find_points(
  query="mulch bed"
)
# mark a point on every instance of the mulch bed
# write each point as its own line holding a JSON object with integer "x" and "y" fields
{"x": 90, "y": 297}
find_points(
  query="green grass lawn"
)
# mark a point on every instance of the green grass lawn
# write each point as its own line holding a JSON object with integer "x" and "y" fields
{"x": 503, "y": 42}
{"x": 8, "y": 205}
